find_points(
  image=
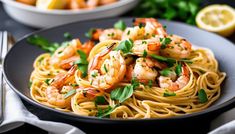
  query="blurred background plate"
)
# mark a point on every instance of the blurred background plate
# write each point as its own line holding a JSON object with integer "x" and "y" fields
{"x": 39, "y": 18}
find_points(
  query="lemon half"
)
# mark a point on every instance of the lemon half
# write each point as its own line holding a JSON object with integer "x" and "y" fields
{"x": 217, "y": 18}
{"x": 51, "y": 4}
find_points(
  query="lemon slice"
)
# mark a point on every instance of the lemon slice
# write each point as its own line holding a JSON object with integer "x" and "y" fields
{"x": 217, "y": 18}
{"x": 51, "y": 4}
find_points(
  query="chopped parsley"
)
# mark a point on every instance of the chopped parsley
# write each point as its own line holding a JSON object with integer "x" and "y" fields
{"x": 123, "y": 93}
{"x": 82, "y": 63}
{"x": 168, "y": 94}
{"x": 105, "y": 112}
{"x": 145, "y": 53}
{"x": 105, "y": 69}
{"x": 99, "y": 100}
{"x": 67, "y": 36}
{"x": 125, "y": 46}
{"x": 202, "y": 96}
{"x": 90, "y": 32}
{"x": 43, "y": 43}
{"x": 164, "y": 42}
{"x": 166, "y": 72}
{"x": 120, "y": 25}
{"x": 30, "y": 84}
{"x": 48, "y": 81}
{"x": 150, "y": 83}
{"x": 70, "y": 93}
{"x": 178, "y": 69}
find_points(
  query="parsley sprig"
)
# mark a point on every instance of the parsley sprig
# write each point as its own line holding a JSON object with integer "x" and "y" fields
{"x": 82, "y": 63}
{"x": 123, "y": 93}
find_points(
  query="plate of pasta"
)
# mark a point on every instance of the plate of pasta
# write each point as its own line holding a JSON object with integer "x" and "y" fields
{"x": 123, "y": 69}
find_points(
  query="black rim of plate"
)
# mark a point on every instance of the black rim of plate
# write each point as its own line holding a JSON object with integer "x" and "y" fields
{"x": 226, "y": 105}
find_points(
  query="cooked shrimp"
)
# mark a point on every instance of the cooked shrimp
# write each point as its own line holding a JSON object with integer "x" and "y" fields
{"x": 87, "y": 94}
{"x": 65, "y": 56}
{"x": 54, "y": 97}
{"x": 178, "y": 48}
{"x": 28, "y": 2}
{"x": 77, "y": 4}
{"x": 106, "y": 69}
{"x": 133, "y": 33}
{"x": 105, "y": 2}
{"x": 151, "y": 46}
{"x": 111, "y": 34}
{"x": 152, "y": 26}
{"x": 92, "y": 3}
{"x": 180, "y": 82}
{"x": 144, "y": 70}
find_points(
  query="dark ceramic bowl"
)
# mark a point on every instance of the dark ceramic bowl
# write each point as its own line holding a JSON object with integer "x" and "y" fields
{"x": 18, "y": 66}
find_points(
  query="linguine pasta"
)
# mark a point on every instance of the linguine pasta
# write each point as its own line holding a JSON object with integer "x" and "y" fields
{"x": 189, "y": 85}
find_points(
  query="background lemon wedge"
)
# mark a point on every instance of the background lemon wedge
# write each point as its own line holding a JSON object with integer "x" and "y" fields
{"x": 51, "y": 4}
{"x": 217, "y": 18}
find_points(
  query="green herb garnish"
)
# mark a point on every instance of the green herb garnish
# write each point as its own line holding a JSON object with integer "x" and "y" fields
{"x": 82, "y": 54}
{"x": 82, "y": 63}
{"x": 99, "y": 100}
{"x": 167, "y": 94}
{"x": 125, "y": 46}
{"x": 105, "y": 112}
{"x": 43, "y": 43}
{"x": 145, "y": 53}
{"x": 30, "y": 84}
{"x": 202, "y": 96}
{"x": 150, "y": 83}
{"x": 181, "y": 10}
{"x": 48, "y": 81}
{"x": 166, "y": 72}
{"x": 67, "y": 36}
{"x": 122, "y": 94}
{"x": 105, "y": 69}
{"x": 164, "y": 42}
{"x": 69, "y": 93}
{"x": 90, "y": 32}
{"x": 120, "y": 25}
{"x": 178, "y": 69}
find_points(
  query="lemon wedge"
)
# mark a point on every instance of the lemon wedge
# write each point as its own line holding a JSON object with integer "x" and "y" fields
{"x": 51, "y": 4}
{"x": 217, "y": 18}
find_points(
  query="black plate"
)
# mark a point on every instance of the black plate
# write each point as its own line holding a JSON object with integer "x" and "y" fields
{"x": 18, "y": 65}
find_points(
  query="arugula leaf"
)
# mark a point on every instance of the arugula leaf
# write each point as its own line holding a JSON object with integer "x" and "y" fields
{"x": 120, "y": 25}
{"x": 99, "y": 100}
{"x": 43, "y": 43}
{"x": 167, "y": 94}
{"x": 104, "y": 113}
{"x": 125, "y": 46}
{"x": 67, "y": 36}
{"x": 202, "y": 96}
{"x": 178, "y": 69}
{"x": 90, "y": 33}
{"x": 164, "y": 42}
{"x": 69, "y": 93}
